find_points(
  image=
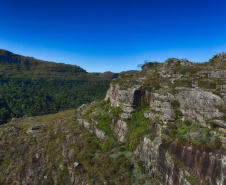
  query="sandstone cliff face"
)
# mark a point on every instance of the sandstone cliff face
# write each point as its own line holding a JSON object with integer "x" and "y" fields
{"x": 175, "y": 164}
{"x": 171, "y": 162}
{"x": 197, "y": 105}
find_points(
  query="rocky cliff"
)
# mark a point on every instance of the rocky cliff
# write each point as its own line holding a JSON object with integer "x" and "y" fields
{"x": 163, "y": 125}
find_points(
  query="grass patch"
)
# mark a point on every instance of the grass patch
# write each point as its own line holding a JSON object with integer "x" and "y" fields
{"x": 175, "y": 104}
{"x": 207, "y": 84}
{"x": 184, "y": 132}
{"x": 138, "y": 127}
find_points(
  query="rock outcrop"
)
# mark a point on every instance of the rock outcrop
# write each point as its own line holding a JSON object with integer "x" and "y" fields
{"x": 121, "y": 130}
{"x": 127, "y": 99}
{"x": 199, "y": 105}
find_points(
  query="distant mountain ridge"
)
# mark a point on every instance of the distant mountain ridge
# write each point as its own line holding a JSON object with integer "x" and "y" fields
{"x": 17, "y": 62}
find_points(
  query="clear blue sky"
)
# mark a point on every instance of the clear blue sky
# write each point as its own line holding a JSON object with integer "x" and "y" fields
{"x": 113, "y": 35}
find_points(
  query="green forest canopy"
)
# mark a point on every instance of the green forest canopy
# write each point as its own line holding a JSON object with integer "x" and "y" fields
{"x": 34, "y": 87}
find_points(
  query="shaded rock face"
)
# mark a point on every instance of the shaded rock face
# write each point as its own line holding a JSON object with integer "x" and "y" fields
{"x": 127, "y": 99}
{"x": 148, "y": 151}
{"x": 157, "y": 161}
{"x": 206, "y": 164}
{"x": 173, "y": 164}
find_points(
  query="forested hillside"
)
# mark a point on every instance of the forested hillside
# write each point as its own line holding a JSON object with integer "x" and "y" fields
{"x": 34, "y": 87}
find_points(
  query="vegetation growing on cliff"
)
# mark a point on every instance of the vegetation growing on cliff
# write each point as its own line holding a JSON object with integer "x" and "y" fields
{"x": 138, "y": 127}
{"x": 185, "y": 132}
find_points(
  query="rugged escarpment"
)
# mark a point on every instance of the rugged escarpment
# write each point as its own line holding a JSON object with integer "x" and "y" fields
{"x": 163, "y": 125}
{"x": 173, "y": 118}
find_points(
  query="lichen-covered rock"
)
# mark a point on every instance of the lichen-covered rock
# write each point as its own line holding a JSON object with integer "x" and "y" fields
{"x": 125, "y": 116}
{"x": 220, "y": 123}
{"x": 199, "y": 105}
{"x": 217, "y": 74}
{"x": 176, "y": 61}
{"x": 84, "y": 122}
{"x": 121, "y": 130}
{"x": 163, "y": 111}
{"x": 148, "y": 151}
{"x": 36, "y": 129}
{"x": 126, "y": 99}
{"x": 82, "y": 107}
{"x": 100, "y": 134}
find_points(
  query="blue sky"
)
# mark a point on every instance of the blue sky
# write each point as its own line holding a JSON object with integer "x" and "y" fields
{"x": 113, "y": 35}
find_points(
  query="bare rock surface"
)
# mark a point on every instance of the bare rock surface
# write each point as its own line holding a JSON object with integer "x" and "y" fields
{"x": 127, "y": 99}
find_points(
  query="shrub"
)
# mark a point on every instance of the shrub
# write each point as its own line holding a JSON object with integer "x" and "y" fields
{"x": 115, "y": 112}
{"x": 138, "y": 127}
{"x": 107, "y": 144}
{"x": 223, "y": 117}
{"x": 136, "y": 136}
{"x": 92, "y": 142}
{"x": 187, "y": 123}
{"x": 178, "y": 113}
{"x": 105, "y": 125}
{"x": 156, "y": 85}
{"x": 183, "y": 83}
{"x": 175, "y": 104}
{"x": 191, "y": 70}
{"x": 194, "y": 180}
{"x": 149, "y": 65}
{"x": 196, "y": 134}
{"x": 207, "y": 84}
{"x": 221, "y": 108}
